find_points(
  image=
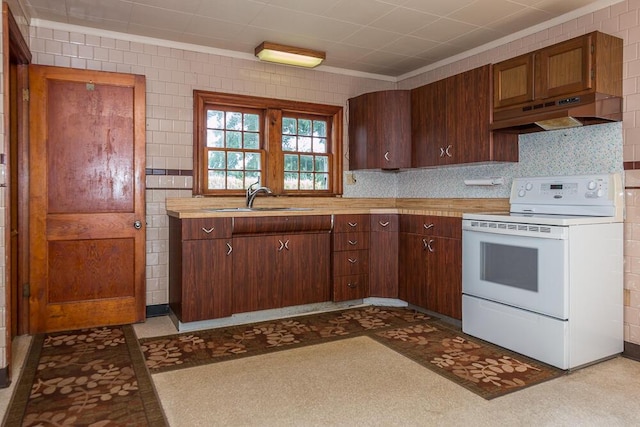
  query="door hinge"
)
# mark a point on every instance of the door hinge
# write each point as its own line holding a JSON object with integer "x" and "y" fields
{"x": 26, "y": 290}
{"x": 25, "y": 95}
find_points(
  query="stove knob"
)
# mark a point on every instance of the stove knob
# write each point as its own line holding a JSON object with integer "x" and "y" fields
{"x": 528, "y": 186}
{"x": 599, "y": 193}
{"x": 521, "y": 193}
{"x": 591, "y": 185}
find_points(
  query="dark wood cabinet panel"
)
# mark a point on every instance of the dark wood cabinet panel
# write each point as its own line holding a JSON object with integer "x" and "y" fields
{"x": 513, "y": 81}
{"x": 346, "y": 288}
{"x": 206, "y": 228}
{"x": 451, "y": 122}
{"x": 350, "y": 257}
{"x": 383, "y": 256}
{"x": 444, "y": 289}
{"x": 350, "y": 262}
{"x": 380, "y": 130}
{"x": 431, "y": 225}
{"x": 305, "y": 270}
{"x": 351, "y": 241}
{"x": 281, "y": 224}
{"x": 350, "y": 223}
{"x": 200, "y": 272}
{"x": 412, "y": 274}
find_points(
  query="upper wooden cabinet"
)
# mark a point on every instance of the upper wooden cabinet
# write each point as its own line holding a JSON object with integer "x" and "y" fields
{"x": 450, "y": 122}
{"x": 380, "y": 130}
{"x": 539, "y": 80}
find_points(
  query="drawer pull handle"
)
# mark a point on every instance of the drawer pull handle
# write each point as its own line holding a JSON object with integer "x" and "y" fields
{"x": 230, "y": 248}
{"x": 427, "y": 226}
{"x": 384, "y": 224}
{"x": 352, "y": 285}
{"x": 208, "y": 230}
{"x": 353, "y": 224}
{"x": 353, "y": 242}
{"x": 386, "y": 156}
{"x": 352, "y": 260}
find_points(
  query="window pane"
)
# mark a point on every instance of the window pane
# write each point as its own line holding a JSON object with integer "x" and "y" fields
{"x": 234, "y": 140}
{"x": 251, "y": 122}
{"x": 289, "y": 143}
{"x": 304, "y": 127}
{"x": 319, "y": 145}
{"x": 304, "y": 144}
{"x": 251, "y": 141}
{"x": 216, "y": 180}
{"x": 322, "y": 164}
{"x": 234, "y": 121}
{"x": 252, "y": 161}
{"x": 306, "y": 163}
{"x": 289, "y": 126}
{"x": 250, "y": 178}
{"x": 291, "y": 162}
{"x": 216, "y": 160}
{"x": 235, "y": 180}
{"x": 319, "y": 128}
{"x": 322, "y": 181}
{"x": 290, "y": 181}
{"x": 235, "y": 160}
{"x": 215, "y": 138}
{"x": 215, "y": 119}
{"x": 306, "y": 181}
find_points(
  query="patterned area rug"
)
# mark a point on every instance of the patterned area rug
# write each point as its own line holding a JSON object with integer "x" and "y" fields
{"x": 92, "y": 377}
{"x": 482, "y": 368}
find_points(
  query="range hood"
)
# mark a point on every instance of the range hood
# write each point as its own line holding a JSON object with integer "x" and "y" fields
{"x": 580, "y": 110}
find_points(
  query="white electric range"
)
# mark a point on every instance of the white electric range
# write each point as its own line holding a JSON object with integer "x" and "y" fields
{"x": 546, "y": 278}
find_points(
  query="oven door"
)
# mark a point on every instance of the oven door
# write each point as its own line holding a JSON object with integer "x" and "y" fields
{"x": 522, "y": 269}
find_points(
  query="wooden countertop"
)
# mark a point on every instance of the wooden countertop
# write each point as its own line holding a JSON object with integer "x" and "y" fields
{"x": 201, "y": 207}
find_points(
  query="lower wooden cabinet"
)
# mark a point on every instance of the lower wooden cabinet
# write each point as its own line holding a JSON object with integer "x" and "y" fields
{"x": 383, "y": 256}
{"x": 350, "y": 257}
{"x": 430, "y": 273}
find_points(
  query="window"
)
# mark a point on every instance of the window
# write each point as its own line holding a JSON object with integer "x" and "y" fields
{"x": 291, "y": 147}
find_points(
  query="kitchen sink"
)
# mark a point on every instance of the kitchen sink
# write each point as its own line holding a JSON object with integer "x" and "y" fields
{"x": 256, "y": 209}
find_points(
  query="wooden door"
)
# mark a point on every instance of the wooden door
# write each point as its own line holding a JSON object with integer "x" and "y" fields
{"x": 444, "y": 294}
{"x": 412, "y": 275}
{"x": 429, "y": 146}
{"x": 513, "y": 81}
{"x": 564, "y": 68}
{"x": 87, "y": 211}
{"x": 304, "y": 268}
{"x": 383, "y": 256}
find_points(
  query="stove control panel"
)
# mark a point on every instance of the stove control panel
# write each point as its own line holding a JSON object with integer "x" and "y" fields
{"x": 571, "y": 193}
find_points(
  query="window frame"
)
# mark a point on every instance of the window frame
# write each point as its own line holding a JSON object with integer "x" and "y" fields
{"x": 271, "y": 143}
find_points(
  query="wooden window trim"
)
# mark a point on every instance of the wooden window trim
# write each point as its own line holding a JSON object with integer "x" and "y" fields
{"x": 273, "y": 109}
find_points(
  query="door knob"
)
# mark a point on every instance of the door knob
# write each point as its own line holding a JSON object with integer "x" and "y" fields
{"x": 137, "y": 225}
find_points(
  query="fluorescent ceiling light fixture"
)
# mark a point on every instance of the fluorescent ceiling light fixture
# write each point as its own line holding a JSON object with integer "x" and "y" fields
{"x": 289, "y": 55}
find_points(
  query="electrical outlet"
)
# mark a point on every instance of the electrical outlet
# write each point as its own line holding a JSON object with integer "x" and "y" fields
{"x": 350, "y": 178}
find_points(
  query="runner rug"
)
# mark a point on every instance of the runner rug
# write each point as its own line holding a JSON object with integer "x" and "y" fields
{"x": 482, "y": 368}
{"x": 91, "y": 377}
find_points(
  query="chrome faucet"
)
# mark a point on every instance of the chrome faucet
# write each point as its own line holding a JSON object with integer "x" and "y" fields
{"x": 251, "y": 193}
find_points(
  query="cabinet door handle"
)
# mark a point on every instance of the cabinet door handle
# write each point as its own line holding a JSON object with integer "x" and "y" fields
{"x": 352, "y": 285}
{"x": 427, "y": 226}
{"x": 427, "y": 245}
{"x": 281, "y": 247}
{"x": 441, "y": 151}
{"x": 386, "y": 156}
{"x": 286, "y": 245}
{"x": 353, "y": 242}
{"x": 352, "y": 260}
{"x": 208, "y": 230}
{"x": 353, "y": 224}
{"x": 447, "y": 151}
{"x": 230, "y": 248}
{"x": 383, "y": 223}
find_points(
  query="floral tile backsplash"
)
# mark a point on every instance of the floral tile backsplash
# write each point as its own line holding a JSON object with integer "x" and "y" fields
{"x": 577, "y": 151}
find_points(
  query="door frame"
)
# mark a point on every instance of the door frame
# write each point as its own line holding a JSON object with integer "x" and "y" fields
{"x": 15, "y": 59}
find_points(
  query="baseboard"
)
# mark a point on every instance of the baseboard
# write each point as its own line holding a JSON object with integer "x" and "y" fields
{"x": 4, "y": 377}
{"x": 631, "y": 351}
{"x": 157, "y": 310}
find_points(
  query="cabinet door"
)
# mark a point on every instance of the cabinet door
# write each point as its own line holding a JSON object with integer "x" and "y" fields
{"x": 412, "y": 274}
{"x": 380, "y": 130}
{"x": 513, "y": 81}
{"x": 469, "y": 116}
{"x": 304, "y": 268}
{"x": 444, "y": 289}
{"x": 206, "y": 280}
{"x": 383, "y": 256}
{"x": 429, "y": 146}
{"x": 256, "y": 281}
{"x": 564, "y": 68}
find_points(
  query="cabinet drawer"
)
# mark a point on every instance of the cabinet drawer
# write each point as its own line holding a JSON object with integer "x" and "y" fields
{"x": 384, "y": 222}
{"x": 346, "y": 288}
{"x": 206, "y": 228}
{"x": 282, "y": 224}
{"x": 350, "y": 241}
{"x": 350, "y": 262}
{"x": 428, "y": 225}
{"x": 350, "y": 223}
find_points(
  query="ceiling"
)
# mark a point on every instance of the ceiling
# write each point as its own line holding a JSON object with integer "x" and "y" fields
{"x": 384, "y": 37}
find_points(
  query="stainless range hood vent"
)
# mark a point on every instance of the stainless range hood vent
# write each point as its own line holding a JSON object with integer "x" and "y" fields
{"x": 557, "y": 114}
